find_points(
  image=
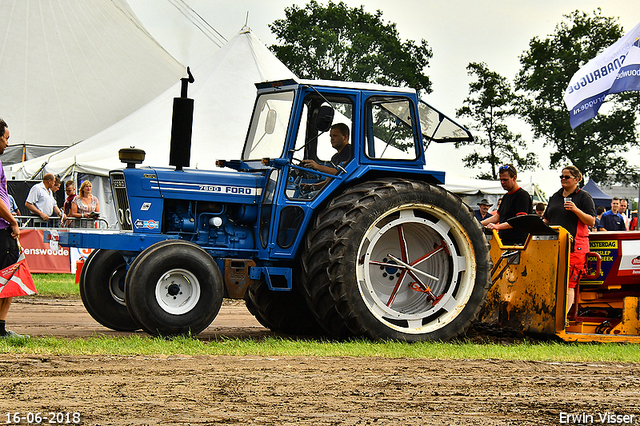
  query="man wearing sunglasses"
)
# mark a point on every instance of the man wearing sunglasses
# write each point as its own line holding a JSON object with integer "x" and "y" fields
{"x": 515, "y": 202}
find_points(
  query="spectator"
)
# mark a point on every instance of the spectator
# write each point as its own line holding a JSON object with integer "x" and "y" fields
{"x": 611, "y": 219}
{"x": 574, "y": 210}
{"x": 494, "y": 211}
{"x": 514, "y": 203}
{"x": 623, "y": 212}
{"x": 483, "y": 212}
{"x": 70, "y": 191}
{"x": 13, "y": 207}
{"x": 540, "y": 209}
{"x": 599, "y": 213}
{"x": 9, "y": 234}
{"x": 85, "y": 205}
{"x": 633, "y": 226}
{"x": 56, "y": 185}
{"x": 40, "y": 201}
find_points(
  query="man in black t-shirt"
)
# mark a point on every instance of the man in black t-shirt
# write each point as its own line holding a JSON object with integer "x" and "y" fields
{"x": 515, "y": 202}
{"x": 339, "y": 134}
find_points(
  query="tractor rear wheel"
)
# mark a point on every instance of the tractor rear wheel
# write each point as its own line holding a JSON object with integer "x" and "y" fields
{"x": 398, "y": 259}
{"x": 102, "y": 282}
{"x": 174, "y": 288}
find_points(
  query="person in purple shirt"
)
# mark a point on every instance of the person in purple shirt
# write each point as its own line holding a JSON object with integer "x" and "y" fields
{"x": 9, "y": 234}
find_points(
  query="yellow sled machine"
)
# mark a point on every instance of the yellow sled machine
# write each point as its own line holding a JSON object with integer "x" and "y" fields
{"x": 530, "y": 283}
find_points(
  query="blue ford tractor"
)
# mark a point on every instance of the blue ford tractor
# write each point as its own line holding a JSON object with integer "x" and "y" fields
{"x": 377, "y": 249}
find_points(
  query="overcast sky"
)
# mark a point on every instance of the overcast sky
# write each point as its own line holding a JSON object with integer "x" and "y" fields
{"x": 496, "y": 32}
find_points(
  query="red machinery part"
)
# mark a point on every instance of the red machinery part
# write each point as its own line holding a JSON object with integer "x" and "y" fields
{"x": 620, "y": 254}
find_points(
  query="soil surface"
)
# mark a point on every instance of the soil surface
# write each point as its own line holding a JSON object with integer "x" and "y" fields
{"x": 185, "y": 390}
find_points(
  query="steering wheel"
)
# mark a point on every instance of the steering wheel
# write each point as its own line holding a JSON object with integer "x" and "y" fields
{"x": 297, "y": 173}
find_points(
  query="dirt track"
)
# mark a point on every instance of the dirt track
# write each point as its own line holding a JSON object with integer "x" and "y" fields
{"x": 183, "y": 390}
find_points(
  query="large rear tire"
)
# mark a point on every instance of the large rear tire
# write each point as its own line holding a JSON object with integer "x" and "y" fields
{"x": 102, "y": 281}
{"x": 398, "y": 259}
{"x": 174, "y": 288}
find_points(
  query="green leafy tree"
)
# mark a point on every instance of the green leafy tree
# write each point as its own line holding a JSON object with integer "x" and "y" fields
{"x": 598, "y": 146}
{"x": 489, "y": 104}
{"x": 341, "y": 43}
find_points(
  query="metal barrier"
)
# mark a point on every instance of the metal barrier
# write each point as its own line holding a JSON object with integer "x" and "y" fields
{"x": 54, "y": 222}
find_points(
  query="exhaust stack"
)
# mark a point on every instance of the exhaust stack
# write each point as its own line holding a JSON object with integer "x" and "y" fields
{"x": 181, "y": 126}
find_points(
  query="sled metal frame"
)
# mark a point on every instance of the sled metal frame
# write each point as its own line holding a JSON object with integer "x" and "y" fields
{"x": 529, "y": 294}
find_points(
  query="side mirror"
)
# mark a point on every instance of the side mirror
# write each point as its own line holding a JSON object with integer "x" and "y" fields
{"x": 270, "y": 121}
{"x": 324, "y": 119}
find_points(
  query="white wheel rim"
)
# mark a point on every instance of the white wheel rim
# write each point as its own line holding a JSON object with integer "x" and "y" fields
{"x": 178, "y": 291}
{"x": 437, "y": 254}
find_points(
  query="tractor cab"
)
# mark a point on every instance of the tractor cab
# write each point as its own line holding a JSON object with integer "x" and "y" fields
{"x": 388, "y": 132}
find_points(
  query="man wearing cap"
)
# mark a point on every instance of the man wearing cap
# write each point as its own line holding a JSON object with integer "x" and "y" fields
{"x": 483, "y": 213}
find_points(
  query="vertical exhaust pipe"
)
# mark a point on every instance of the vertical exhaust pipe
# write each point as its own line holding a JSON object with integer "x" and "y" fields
{"x": 182, "y": 126}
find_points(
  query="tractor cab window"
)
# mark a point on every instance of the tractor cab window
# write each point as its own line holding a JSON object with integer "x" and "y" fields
{"x": 314, "y": 143}
{"x": 390, "y": 131}
{"x": 439, "y": 128}
{"x": 268, "y": 129}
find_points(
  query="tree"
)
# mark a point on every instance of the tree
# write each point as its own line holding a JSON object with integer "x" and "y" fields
{"x": 598, "y": 146}
{"x": 489, "y": 104}
{"x": 340, "y": 43}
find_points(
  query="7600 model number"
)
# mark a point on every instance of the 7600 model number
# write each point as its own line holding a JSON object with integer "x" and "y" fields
{"x": 56, "y": 418}
{"x": 239, "y": 190}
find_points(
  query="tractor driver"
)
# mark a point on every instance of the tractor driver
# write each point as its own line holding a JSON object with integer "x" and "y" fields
{"x": 339, "y": 134}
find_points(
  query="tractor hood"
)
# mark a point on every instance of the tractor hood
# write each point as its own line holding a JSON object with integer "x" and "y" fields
{"x": 212, "y": 186}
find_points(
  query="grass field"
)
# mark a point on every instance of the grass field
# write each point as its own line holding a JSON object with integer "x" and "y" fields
{"x": 273, "y": 346}
{"x": 63, "y": 285}
{"x": 58, "y": 285}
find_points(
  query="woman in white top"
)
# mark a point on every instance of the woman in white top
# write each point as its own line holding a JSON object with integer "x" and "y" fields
{"x": 85, "y": 204}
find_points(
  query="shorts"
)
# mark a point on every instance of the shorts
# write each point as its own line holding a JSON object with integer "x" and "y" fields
{"x": 9, "y": 251}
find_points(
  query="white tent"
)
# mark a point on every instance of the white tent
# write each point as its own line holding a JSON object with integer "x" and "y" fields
{"x": 224, "y": 92}
{"x": 474, "y": 190}
{"x": 70, "y": 69}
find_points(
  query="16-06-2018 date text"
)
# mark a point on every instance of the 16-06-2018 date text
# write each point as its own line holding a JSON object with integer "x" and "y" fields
{"x": 51, "y": 418}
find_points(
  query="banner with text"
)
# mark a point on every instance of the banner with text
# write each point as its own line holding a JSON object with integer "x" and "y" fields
{"x": 40, "y": 257}
{"x": 592, "y": 83}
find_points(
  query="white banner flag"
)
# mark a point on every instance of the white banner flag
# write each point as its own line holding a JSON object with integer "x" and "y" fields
{"x": 591, "y": 84}
{"x": 628, "y": 79}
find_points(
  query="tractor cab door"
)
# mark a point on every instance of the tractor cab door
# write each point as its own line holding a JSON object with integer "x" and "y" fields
{"x": 294, "y": 189}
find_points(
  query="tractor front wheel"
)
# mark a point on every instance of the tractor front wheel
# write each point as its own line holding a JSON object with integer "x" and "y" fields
{"x": 174, "y": 288}
{"x": 102, "y": 281}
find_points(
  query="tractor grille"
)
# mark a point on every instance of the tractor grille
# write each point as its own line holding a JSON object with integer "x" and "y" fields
{"x": 119, "y": 190}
